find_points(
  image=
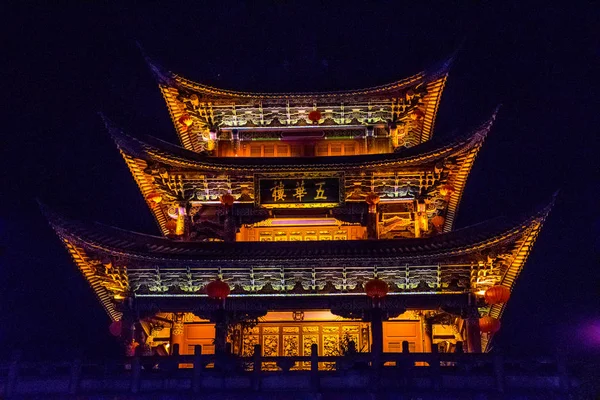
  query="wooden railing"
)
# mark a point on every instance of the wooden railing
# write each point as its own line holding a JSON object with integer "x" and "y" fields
{"x": 360, "y": 371}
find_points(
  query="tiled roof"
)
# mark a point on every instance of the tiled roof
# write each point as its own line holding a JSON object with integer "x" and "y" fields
{"x": 103, "y": 238}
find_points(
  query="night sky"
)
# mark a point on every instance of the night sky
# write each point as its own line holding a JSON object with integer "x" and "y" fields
{"x": 65, "y": 64}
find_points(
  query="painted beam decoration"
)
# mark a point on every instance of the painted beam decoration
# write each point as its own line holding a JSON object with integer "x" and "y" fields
{"x": 298, "y": 192}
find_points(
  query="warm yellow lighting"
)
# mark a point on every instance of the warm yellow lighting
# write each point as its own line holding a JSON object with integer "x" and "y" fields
{"x": 480, "y": 292}
{"x": 118, "y": 297}
{"x": 167, "y": 345}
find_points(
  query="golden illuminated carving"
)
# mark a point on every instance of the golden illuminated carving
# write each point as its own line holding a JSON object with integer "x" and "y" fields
{"x": 270, "y": 345}
{"x": 291, "y": 345}
{"x": 300, "y": 191}
{"x": 278, "y": 192}
{"x": 320, "y": 191}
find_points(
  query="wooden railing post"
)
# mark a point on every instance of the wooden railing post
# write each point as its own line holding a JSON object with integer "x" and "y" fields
{"x": 198, "y": 369}
{"x": 75, "y": 375}
{"x": 436, "y": 375}
{"x": 257, "y": 367}
{"x": 136, "y": 374}
{"x": 499, "y": 372}
{"x": 314, "y": 366}
{"x": 13, "y": 374}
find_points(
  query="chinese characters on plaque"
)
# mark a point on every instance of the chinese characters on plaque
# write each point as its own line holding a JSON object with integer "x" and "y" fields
{"x": 299, "y": 191}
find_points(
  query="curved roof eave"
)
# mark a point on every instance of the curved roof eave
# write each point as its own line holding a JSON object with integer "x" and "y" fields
{"x": 153, "y": 149}
{"x": 113, "y": 241}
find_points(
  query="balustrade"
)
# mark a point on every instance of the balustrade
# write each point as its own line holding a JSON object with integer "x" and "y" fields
{"x": 200, "y": 372}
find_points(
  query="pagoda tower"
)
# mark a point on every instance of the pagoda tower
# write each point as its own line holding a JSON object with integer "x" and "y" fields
{"x": 293, "y": 219}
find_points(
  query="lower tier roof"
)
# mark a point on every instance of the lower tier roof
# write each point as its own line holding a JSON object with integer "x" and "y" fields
{"x": 119, "y": 263}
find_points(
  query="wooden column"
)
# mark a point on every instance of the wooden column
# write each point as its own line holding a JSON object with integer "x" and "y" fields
{"x": 177, "y": 334}
{"x": 220, "y": 330}
{"x": 370, "y": 140}
{"x": 183, "y": 221}
{"x": 376, "y": 332}
{"x": 372, "y": 200}
{"x": 427, "y": 334}
{"x": 235, "y": 142}
{"x": 472, "y": 326}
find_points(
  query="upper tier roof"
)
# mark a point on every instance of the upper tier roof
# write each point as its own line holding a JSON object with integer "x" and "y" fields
{"x": 210, "y": 108}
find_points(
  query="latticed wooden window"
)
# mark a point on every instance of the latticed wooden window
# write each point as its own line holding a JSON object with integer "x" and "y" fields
{"x": 283, "y": 151}
{"x": 255, "y": 151}
{"x": 269, "y": 151}
{"x": 322, "y": 150}
{"x": 296, "y": 150}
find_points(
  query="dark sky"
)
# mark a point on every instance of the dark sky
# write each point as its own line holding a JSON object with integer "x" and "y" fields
{"x": 64, "y": 64}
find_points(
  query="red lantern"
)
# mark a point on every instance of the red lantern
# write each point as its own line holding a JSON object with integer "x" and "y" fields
{"x": 218, "y": 290}
{"x": 417, "y": 115}
{"x": 497, "y": 294}
{"x": 154, "y": 197}
{"x": 115, "y": 328}
{"x": 438, "y": 222}
{"x": 227, "y": 200}
{"x": 376, "y": 288}
{"x": 446, "y": 190}
{"x": 171, "y": 225}
{"x": 314, "y": 116}
{"x": 489, "y": 324}
{"x": 186, "y": 120}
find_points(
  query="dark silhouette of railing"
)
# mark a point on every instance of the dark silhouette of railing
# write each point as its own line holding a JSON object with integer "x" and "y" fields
{"x": 429, "y": 372}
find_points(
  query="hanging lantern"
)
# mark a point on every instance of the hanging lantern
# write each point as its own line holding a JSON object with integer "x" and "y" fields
{"x": 376, "y": 288}
{"x": 218, "y": 290}
{"x": 154, "y": 197}
{"x": 446, "y": 190}
{"x": 116, "y": 328}
{"x": 417, "y": 115}
{"x": 497, "y": 294}
{"x": 314, "y": 116}
{"x": 171, "y": 225}
{"x": 186, "y": 120}
{"x": 227, "y": 200}
{"x": 194, "y": 100}
{"x": 438, "y": 222}
{"x": 489, "y": 324}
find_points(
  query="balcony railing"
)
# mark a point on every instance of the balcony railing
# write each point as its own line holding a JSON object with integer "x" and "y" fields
{"x": 359, "y": 373}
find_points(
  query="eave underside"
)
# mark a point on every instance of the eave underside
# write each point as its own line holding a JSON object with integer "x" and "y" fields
{"x": 433, "y": 81}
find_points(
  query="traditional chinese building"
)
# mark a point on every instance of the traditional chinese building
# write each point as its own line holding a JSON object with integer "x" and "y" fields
{"x": 293, "y": 219}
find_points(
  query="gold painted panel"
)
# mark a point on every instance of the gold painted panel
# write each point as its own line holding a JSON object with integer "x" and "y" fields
{"x": 248, "y": 345}
{"x": 291, "y": 345}
{"x": 307, "y": 341}
{"x": 331, "y": 345}
{"x": 270, "y": 330}
{"x": 271, "y": 345}
{"x": 291, "y": 329}
{"x": 331, "y": 329}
